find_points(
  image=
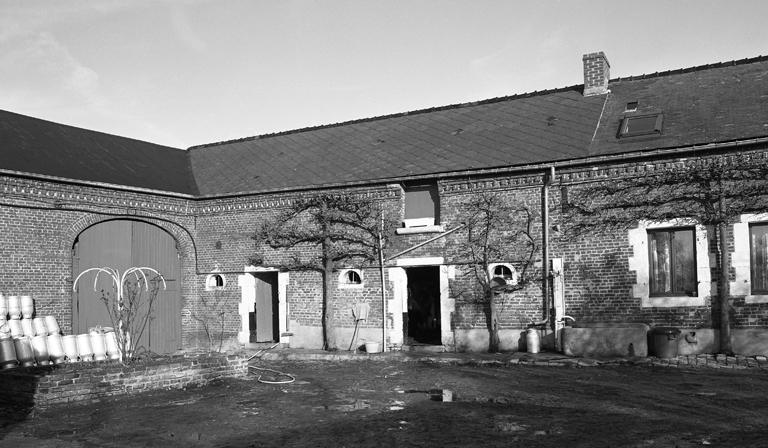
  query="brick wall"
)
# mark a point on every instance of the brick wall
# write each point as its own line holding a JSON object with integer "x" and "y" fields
{"x": 89, "y": 382}
{"x": 42, "y": 219}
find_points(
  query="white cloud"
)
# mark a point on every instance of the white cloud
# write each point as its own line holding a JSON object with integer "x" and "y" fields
{"x": 38, "y": 64}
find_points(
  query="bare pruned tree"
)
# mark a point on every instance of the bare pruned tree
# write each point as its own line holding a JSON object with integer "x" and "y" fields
{"x": 323, "y": 233}
{"x": 712, "y": 191}
{"x": 499, "y": 232}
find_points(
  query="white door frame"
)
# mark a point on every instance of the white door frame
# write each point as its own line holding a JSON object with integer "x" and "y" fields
{"x": 247, "y": 283}
{"x": 399, "y": 303}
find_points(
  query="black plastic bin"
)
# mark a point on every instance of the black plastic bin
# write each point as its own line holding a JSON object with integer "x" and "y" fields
{"x": 665, "y": 341}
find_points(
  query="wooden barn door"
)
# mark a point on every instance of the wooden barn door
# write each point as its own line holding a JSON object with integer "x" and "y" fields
{"x": 105, "y": 244}
{"x": 122, "y": 244}
{"x": 155, "y": 248}
{"x": 264, "y": 326}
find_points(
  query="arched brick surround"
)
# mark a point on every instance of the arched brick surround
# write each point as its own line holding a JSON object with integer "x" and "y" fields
{"x": 181, "y": 235}
{"x": 187, "y": 252}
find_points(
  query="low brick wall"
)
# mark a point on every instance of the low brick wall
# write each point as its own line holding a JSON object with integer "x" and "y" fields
{"x": 48, "y": 385}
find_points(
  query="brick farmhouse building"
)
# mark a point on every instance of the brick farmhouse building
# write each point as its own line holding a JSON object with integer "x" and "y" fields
{"x": 71, "y": 199}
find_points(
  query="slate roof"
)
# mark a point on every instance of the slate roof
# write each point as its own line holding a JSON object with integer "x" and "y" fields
{"x": 31, "y": 145}
{"x": 720, "y": 103}
{"x": 495, "y": 133}
{"x": 701, "y": 105}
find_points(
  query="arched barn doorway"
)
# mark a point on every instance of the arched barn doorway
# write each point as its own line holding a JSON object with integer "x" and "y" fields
{"x": 122, "y": 244}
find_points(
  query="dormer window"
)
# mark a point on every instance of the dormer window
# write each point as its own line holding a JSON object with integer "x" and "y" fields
{"x": 641, "y": 125}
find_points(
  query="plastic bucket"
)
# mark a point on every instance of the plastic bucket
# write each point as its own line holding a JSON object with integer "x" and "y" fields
{"x": 15, "y": 326}
{"x": 113, "y": 350}
{"x": 14, "y": 307}
{"x": 40, "y": 349}
{"x": 28, "y": 327}
{"x": 665, "y": 342}
{"x": 40, "y": 328}
{"x": 99, "y": 346}
{"x": 532, "y": 341}
{"x": 7, "y": 353}
{"x": 27, "y": 306}
{"x": 84, "y": 348}
{"x": 70, "y": 347}
{"x": 24, "y": 353}
{"x": 372, "y": 347}
{"x": 3, "y": 306}
{"x": 56, "y": 349}
{"x": 52, "y": 325}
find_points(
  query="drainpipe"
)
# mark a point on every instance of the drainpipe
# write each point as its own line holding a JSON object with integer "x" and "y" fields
{"x": 383, "y": 292}
{"x": 545, "y": 243}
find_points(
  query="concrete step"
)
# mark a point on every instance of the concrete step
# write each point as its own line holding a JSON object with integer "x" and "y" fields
{"x": 262, "y": 345}
{"x": 424, "y": 348}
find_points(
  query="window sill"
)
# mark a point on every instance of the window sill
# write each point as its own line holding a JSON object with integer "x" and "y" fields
{"x": 351, "y": 285}
{"x": 670, "y": 302}
{"x": 756, "y": 299}
{"x": 423, "y": 229}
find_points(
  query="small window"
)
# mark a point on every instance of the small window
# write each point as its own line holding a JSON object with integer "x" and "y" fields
{"x": 631, "y": 107}
{"x": 502, "y": 271}
{"x": 758, "y": 257}
{"x": 422, "y": 205}
{"x": 214, "y": 282}
{"x": 351, "y": 278}
{"x": 641, "y": 125}
{"x": 672, "y": 262}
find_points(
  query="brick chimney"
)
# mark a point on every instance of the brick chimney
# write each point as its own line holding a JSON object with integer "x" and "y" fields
{"x": 597, "y": 71}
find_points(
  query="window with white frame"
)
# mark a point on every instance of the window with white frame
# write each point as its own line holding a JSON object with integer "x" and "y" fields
{"x": 214, "y": 282}
{"x": 758, "y": 257}
{"x": 749, "y": 258}
{"x": 351, "y": 278}
{"x": 502, "y": 271}
{"x": 671, "y": 263}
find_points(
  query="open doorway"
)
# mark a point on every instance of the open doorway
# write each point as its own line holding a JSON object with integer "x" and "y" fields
{"x": 263, "y": 322}
{"x": 422, "y": 318}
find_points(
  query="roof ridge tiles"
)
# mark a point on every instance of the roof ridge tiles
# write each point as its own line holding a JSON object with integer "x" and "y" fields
{"x": 695, "y": 68}
{"x": 499, "y": 99}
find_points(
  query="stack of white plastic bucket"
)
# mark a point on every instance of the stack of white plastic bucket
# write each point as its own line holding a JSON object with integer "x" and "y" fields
{"x": 99, "y": 344}
{"x": 26, "y": 341}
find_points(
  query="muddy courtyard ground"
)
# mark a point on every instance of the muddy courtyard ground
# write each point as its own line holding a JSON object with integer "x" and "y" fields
{"x": 393, "y": 404}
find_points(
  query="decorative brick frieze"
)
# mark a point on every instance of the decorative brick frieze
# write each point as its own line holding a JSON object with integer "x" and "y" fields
{"x": 283, "y": 200}
{"x": 489, "y": 184}
{"x": 115, "y": 201}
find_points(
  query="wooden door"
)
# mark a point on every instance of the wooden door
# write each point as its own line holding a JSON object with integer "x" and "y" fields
{"x": 105, "y": 244}
{"x": 266, "y": 307}
{"x": 122, "y": 244}
{"x": 153, "y": 247}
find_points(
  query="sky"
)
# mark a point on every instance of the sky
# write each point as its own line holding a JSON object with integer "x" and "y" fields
{"x": 190, "y": 72}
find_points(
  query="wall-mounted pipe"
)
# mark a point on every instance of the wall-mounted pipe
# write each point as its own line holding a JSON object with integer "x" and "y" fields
{"x": 548, "y": 178}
